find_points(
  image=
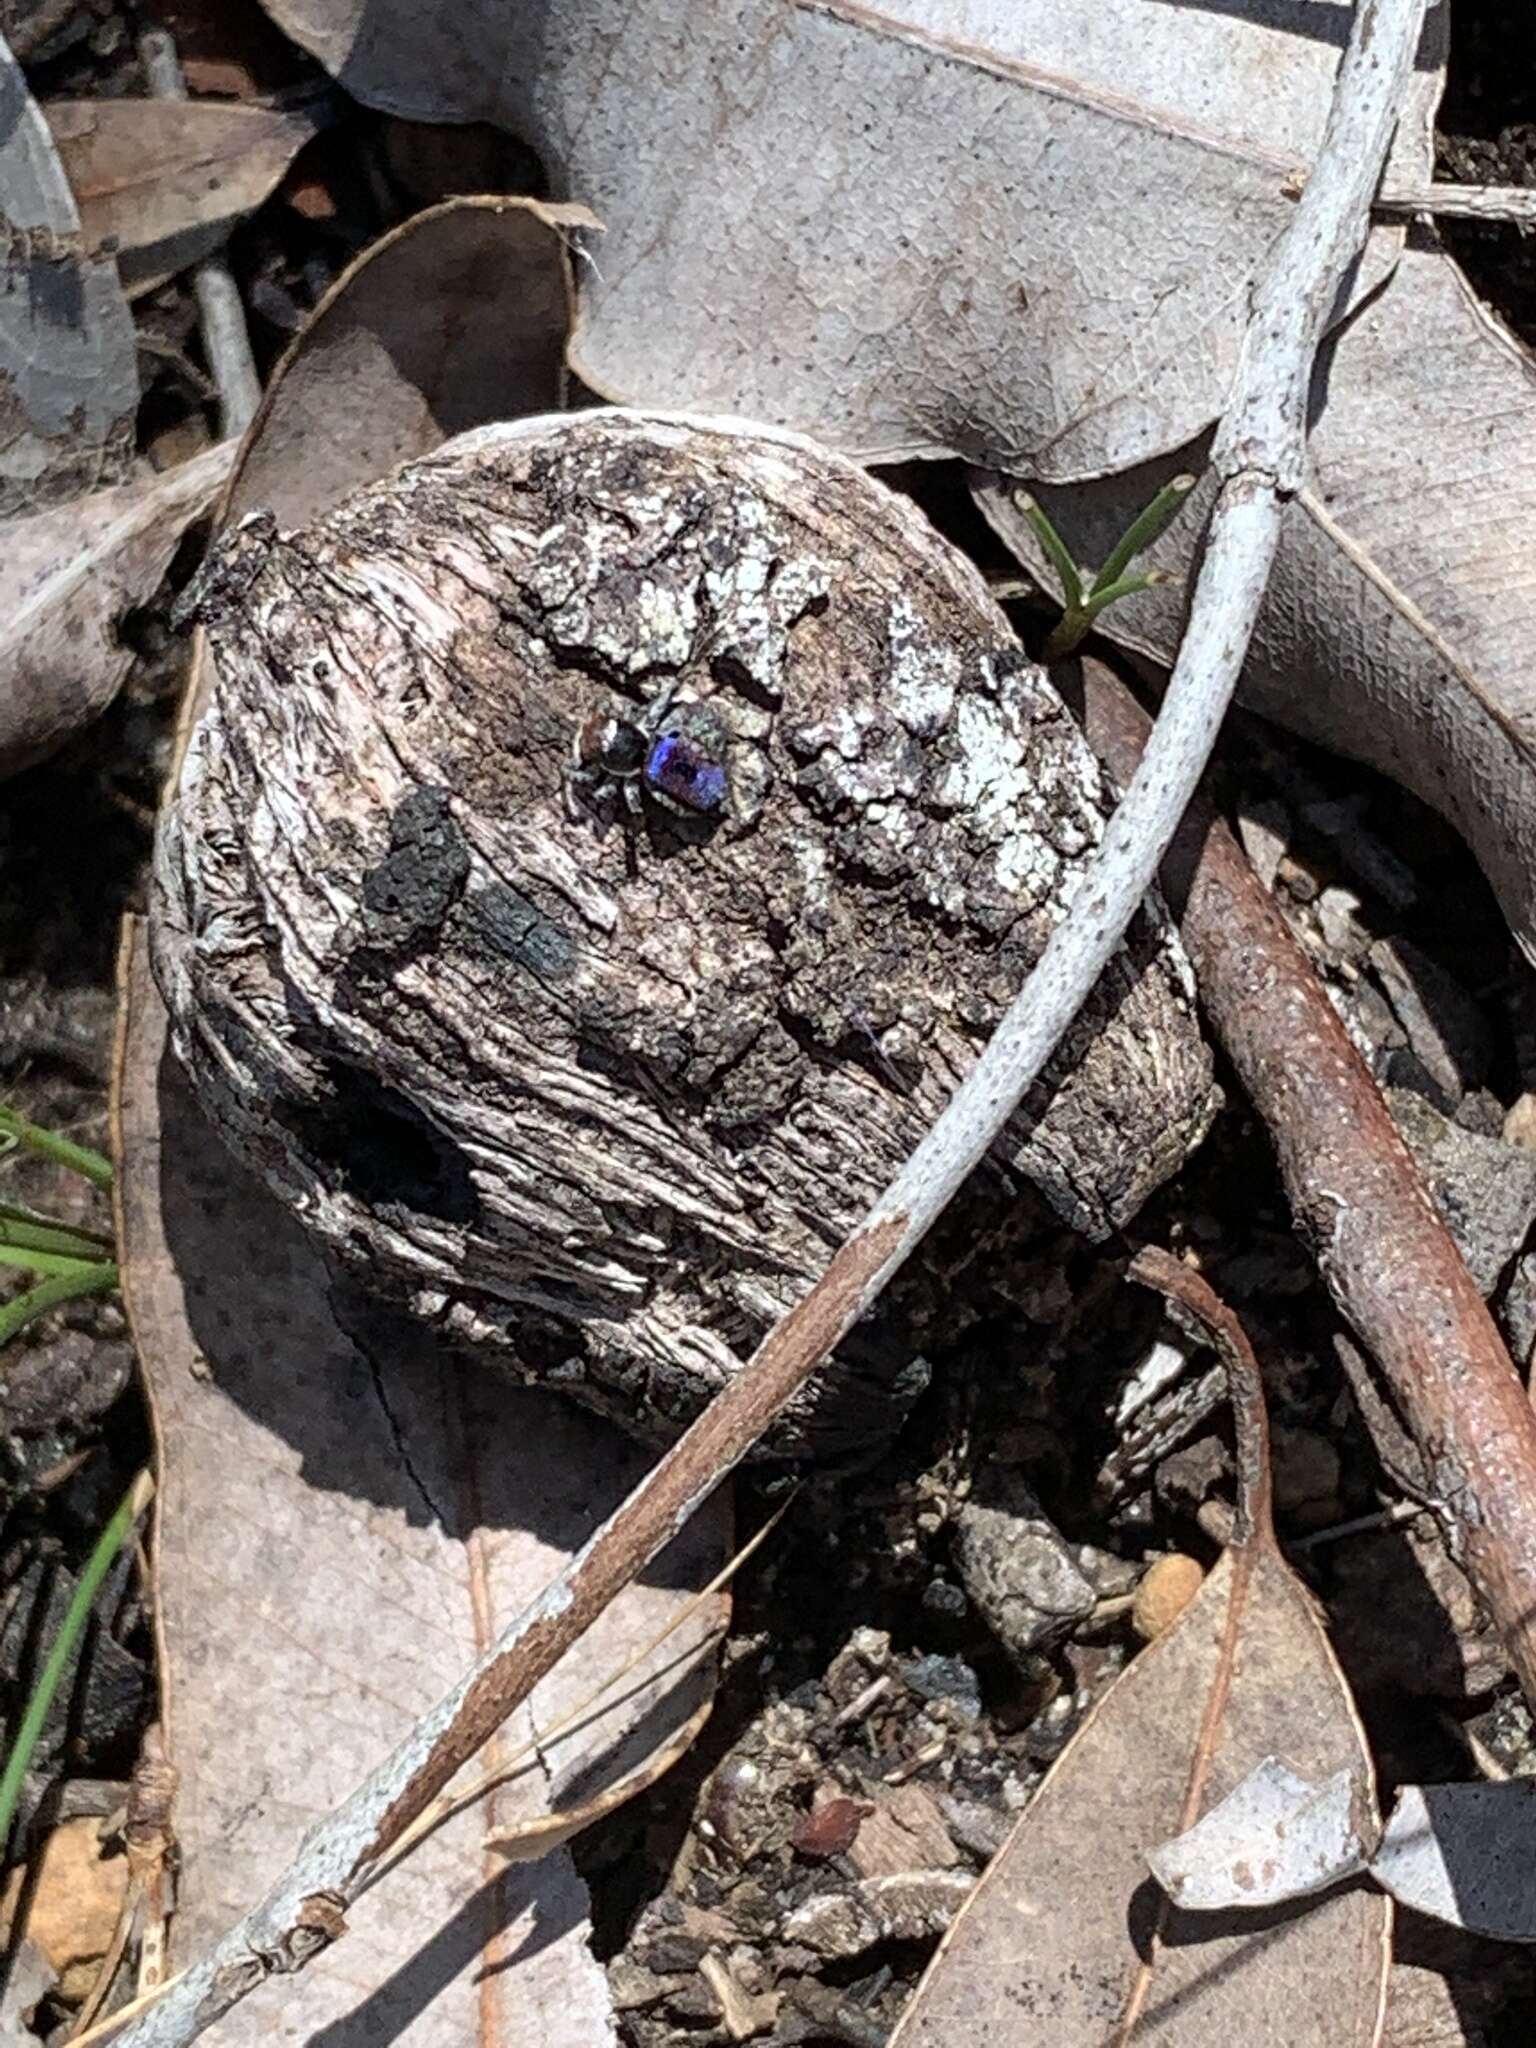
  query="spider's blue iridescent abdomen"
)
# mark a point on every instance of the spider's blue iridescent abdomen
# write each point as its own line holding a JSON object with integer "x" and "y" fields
{"x": 677, "y": 768}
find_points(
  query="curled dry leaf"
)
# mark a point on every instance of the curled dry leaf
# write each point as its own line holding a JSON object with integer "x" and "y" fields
{"x": 1028, "y": 238}
{"x": 1067, "y": 1941}
{"x": 163, "y": 181}
{"x": 346, "y": 1514}
{"x": 68, "y": 378}
{"x": 457, "y": 318}
{"x": 67, "y": 576}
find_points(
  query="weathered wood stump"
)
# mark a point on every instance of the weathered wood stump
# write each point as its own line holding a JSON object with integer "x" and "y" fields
{"x": 610, "y": 841}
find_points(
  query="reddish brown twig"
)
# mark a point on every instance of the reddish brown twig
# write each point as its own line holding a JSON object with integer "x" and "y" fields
{"x": 1357, "y": 1196}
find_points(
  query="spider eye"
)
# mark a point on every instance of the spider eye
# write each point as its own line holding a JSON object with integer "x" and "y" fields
{"x": 678, "y": 768}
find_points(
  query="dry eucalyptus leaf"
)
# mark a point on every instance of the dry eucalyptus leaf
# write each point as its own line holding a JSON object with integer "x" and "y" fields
{"x": 458, "y": 317}
{"x": 943, "y": 228}
{"x": 1465, "y": 1854}
{"x": 68, "y": 376}
{"x": 1399, "y": 624}
{"x": 67, "y": 576}
{"x": 1026, "y": 235}
{"x": 1067, "y": 1942}
{"x": 1275, "y": 1837}
{"x": 346, "y": 1515}
{"x": 165, "y": 180}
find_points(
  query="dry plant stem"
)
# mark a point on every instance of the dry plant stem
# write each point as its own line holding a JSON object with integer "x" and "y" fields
{"x": 1193, "y": 1301}
{"x": 1514, "y": 204}
{"x": 225, "y": 338}
{"x": 1357, "y": 1198}
{"x": 1259, "y": 454}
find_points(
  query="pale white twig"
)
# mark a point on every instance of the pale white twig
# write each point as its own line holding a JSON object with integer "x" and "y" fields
{"x": 1259, "y": 454}
{"x": 1515, "y": 204}
{"x": 221, "y": 314}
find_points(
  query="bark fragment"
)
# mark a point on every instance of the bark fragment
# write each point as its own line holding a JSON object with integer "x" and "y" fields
{"x": 586, "y": 1074}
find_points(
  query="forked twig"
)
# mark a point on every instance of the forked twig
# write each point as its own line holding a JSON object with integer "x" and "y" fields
{"x": 1259, "y": 456}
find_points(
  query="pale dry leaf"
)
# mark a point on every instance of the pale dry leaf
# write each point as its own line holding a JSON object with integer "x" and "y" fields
{"x": 346, "y": 1515}
{"x": 1068, "y": 1942}
{"x": 68, "y": 374}
{"x": 67, "y": 577}
{"x": 917, "y": 232}
{"x": 1275, "y": 1837}
{"x": 1031, "y": 232}
{"x": 1466, "y": 1854}
{"x": 165, "y": 180}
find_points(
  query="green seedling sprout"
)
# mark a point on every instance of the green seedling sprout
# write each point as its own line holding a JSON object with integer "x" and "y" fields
{"x": 98, "y": 1564}
{"x": 69, "y": 1261}
{"x": 1084, "y": 596}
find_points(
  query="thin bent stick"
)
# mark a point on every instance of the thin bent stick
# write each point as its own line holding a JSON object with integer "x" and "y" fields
{"x": 1259, "y": 456}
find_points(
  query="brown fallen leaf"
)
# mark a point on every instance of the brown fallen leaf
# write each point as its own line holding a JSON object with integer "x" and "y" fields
{"x": 67, "y": 576}
{"x": 458, "y": 318}
{"x": 346, "y": 1513}
{"x": 163, "y": 181}
{"x": 1067, "y": 1941}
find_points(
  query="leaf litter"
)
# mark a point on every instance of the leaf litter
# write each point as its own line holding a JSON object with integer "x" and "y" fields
{"x": 302, "y": 486}
{"x": 1066, "y": 1940}
{"x": 163, "y": 181}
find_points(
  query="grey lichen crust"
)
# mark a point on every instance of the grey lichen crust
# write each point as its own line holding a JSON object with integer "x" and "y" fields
{"x": 606, "y": 1081}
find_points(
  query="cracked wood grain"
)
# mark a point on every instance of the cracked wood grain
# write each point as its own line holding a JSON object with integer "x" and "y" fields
{"x": 599, "y": 1088}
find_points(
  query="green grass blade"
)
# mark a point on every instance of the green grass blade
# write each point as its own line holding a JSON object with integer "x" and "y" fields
{"x": 53, "y": 1292}
{"x": 51, "y": 1262}
{"x": 49, "y": 1145}
{"x": 107, "y": 1546}
{"x": 1127, "y": 586}
{"x": 1153, "y": 520}
{"x": 25, "y": 1232}
{"x": 1056, "y": 548}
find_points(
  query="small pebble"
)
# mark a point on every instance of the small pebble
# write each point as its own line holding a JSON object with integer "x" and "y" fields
{"x": 1166, "y": 1589}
